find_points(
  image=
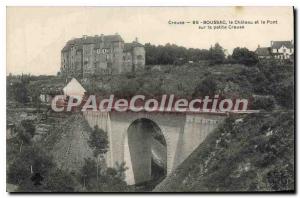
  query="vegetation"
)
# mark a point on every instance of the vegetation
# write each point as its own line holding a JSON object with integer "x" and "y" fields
{"x": 244, "y": 56}
{"x": 251, "y": 153}
{"x": 105, "y": 180}
{"x": 98, "y": 141}
{"x": 32, "y": 161}
{"x": 171, "y": 54}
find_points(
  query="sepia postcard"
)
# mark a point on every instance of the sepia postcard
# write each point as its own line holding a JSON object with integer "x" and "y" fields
{"x": 150, "y": 99}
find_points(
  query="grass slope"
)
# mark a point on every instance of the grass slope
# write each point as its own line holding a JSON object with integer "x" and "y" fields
{"x": 252, "y": 153}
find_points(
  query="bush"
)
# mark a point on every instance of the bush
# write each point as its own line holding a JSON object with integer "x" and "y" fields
{"x": 244, "y": 56}
{"x": 266, "y": 103}
{"x": 207, "y": 87}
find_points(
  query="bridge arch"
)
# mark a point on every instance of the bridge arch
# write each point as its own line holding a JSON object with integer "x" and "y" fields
{"x": 145, "y": 151}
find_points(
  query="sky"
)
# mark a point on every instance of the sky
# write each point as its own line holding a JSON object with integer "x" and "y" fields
{"x": 36, "y": 35}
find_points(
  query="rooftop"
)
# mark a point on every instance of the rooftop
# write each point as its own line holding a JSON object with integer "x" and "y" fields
{"x": 279, "y": 44}
{"x": 106, "y": 39}
{"x": 263, "y": 51}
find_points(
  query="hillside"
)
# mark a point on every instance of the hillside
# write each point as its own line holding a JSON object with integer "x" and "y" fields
{"x": 72, "y": 147}
{"x": 252, "y": 153}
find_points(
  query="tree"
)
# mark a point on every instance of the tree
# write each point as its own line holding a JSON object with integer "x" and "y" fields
{"x": 110, "y": 179}
{"x": 216, "y": 54}
{"x": 20, "y": 92}
{"x": 207, "y": 87}
{"x": 171, "y": 54}
{"x": 32, "y": 159}
{"x": 98, "y": 141}
{"x": 244, "y": 56}
{"x": 33, "y": 170}
{"x": 25, "y": 132}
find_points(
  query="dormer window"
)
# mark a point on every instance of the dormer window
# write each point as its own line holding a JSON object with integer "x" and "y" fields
{"x": 98, "y": 51}
{"x": 104, "y": 50}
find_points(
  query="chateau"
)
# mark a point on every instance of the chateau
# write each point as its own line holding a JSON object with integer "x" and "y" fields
{"x": 104, "y": 54}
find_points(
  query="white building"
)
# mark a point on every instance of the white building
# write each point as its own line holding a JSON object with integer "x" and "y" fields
{"x": 278, "y": 50}
{"x": 74, "y": 88}
{"x": 282, "y": 49}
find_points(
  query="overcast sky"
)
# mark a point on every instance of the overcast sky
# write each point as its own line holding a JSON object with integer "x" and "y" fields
{"x": 35, "y": 35}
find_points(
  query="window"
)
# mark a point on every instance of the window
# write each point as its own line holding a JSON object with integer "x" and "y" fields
{"x": 284, "y": 50}
{"x": 104, "y": 50}
{"x": 98, "y": 51}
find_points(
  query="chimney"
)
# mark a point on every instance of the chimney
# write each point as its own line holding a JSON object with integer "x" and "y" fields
{"x": 271, "y": 43}
{"x": 136, "y": 39}
{"x": 258, "y": 46}
{"x": 84, "y": 36}
{"x": 102, "y": 37}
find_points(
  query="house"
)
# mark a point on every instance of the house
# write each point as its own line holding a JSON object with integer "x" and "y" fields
{"x": 47, "y": 93}
{"x": 282, "y": 50}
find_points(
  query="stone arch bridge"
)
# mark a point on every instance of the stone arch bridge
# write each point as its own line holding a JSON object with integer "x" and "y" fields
{"x": 183, "y": 132}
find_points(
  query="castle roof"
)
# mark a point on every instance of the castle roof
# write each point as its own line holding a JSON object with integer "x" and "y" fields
{"x": 130, "y": 46}
{"x": 106, "y": 39}
{"x": 279, "y": 44}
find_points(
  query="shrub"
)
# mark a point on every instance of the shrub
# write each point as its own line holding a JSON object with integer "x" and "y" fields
{"x": 266, "y": 103}
{"x": 244, "y": 56}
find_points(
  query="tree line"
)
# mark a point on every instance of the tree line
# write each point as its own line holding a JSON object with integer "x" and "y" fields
{"x": 171, "y": 54}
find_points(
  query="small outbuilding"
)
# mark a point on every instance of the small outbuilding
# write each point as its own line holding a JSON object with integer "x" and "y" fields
{"x": 74, "y": 88}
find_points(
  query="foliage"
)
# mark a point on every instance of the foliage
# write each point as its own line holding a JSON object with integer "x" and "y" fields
{"x": 285, "y": 95}
{"x": 249, "y": 153}
{"x": 244, "y": 56}
{"x": 107, "y": 180}
{"x": 266, "y": 103}
{"x": 207, "y": 87}
{"x": 99, "y": 141}
{"x": 28, "y": 126}
{"x": 177, "y": 55}
{"x": 33, "y": 160}
{"x": 61, "y": 181}
{"x": 19, "y": 91}
{"x": 25, "y": 131}
{"x": 216, "y": 54}
{"x": 30, "y": 158}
